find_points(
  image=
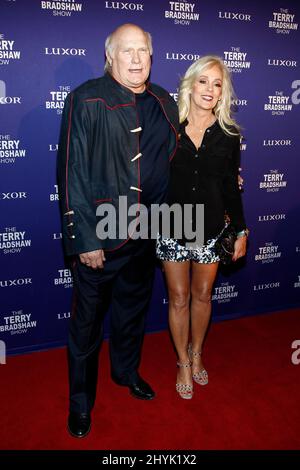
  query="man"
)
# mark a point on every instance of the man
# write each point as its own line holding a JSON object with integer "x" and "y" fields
{"x": 118, "y": 135}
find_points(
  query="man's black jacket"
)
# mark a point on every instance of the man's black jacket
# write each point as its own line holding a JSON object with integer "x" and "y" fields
{"x": 98, "y": 141}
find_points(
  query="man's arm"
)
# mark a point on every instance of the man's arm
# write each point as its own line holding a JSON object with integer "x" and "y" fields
{"x": 78, "y": 211}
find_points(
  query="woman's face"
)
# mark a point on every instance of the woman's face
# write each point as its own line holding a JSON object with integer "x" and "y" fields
{"x": 207, "y": 89}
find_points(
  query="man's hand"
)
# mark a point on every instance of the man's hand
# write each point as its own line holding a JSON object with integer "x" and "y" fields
{"x": 93, "y": 259}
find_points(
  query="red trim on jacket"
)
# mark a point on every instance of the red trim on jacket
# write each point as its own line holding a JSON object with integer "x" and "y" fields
{"x": 103, "y": 200}
{"x": 68, "y": 150}
{"x": 139, "y": 178}
{"x": 89, "y": 100}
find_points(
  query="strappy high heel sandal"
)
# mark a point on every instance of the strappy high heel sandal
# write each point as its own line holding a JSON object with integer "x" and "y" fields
{"x": 185, "y": 391}
{"x": 200, "y": 377}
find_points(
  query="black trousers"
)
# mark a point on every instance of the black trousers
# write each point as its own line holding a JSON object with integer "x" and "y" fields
{"x": 125, "y": 282}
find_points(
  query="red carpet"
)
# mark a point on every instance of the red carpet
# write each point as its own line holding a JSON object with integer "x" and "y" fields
{"x": 251, "y": 401}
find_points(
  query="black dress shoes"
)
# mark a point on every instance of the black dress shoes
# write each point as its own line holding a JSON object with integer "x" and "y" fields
{"x": 79, "y": 424}
{"x": 140, "y": 389}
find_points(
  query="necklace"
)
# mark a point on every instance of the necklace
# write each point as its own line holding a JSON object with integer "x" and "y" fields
{"x": 210, "y": 123}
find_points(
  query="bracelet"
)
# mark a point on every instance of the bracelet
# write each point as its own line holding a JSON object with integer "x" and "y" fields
{"x": 243, "y": 233}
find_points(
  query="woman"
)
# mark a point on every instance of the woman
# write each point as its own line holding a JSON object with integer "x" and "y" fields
{"x": 205, "y": 171}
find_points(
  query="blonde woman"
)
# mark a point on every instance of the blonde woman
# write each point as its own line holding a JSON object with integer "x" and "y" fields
{"x": 204, "y": 170}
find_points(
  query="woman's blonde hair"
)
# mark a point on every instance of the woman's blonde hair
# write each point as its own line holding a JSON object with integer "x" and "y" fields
{"x": 223, "y": 108}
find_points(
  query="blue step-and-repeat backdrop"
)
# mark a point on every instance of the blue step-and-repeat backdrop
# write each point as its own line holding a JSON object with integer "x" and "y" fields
{"x": 49, "y": 47}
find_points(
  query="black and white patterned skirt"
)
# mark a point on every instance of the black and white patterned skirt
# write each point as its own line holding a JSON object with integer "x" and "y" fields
{"x": 168, "y": 249}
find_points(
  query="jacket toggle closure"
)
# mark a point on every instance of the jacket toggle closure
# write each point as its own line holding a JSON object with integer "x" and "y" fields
{"x": 136, "y": 157}
{"x": 138, "y": 129}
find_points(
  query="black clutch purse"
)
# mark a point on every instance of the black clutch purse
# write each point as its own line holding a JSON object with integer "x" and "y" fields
{"x": 224, "y": 245}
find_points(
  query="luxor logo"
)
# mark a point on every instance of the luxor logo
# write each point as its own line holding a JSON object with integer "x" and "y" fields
{"x": 4, "y": 99}
{"x": 14, "y": 195}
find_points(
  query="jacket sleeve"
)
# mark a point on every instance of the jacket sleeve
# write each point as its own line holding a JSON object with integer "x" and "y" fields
{"x": 232, "y": 193}
{"x": 76, "y": 202}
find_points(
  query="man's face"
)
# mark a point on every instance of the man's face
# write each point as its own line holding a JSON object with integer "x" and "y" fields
{"x": 130, "y": 58}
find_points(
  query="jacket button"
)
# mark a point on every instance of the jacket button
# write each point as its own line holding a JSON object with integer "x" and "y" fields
{"x": 196, "y": 155}
{"x": 194, "y": 189}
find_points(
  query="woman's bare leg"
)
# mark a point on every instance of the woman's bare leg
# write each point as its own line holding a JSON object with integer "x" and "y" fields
{"x": 178, "y": 282}
{"x": 203, "y": 277}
